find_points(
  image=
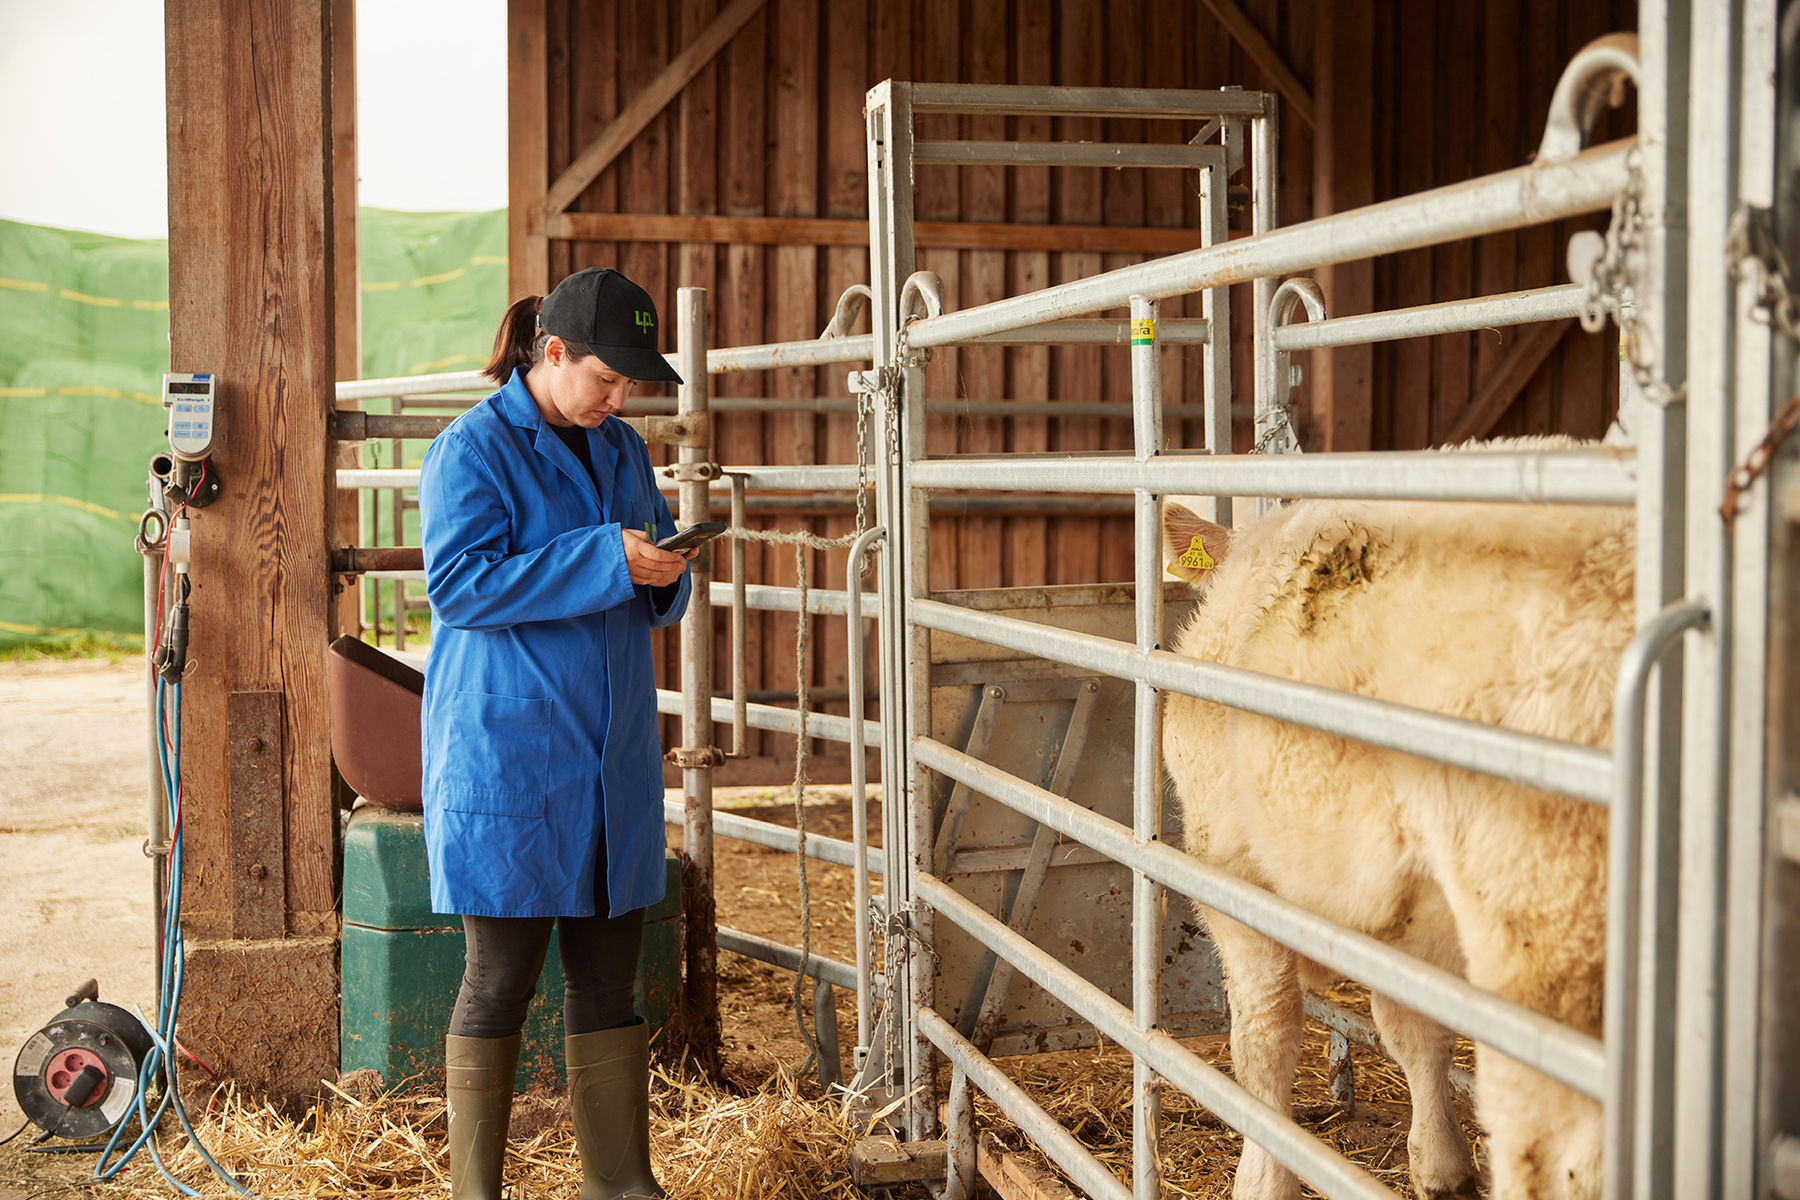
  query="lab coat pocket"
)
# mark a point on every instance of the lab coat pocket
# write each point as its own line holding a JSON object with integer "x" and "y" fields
{"x": 503, "y": 760}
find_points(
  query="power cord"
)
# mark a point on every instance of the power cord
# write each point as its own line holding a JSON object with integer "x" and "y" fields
{"x": 159, "y": 1067}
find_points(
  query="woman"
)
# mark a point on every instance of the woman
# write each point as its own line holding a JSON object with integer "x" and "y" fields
{"x": 543, "y": 770}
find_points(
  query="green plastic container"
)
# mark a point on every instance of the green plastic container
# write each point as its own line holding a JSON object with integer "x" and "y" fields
{"x": 402, "y": 963}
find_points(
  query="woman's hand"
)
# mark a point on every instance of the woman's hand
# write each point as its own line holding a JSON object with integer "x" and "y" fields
{"x": 650, "y": 566}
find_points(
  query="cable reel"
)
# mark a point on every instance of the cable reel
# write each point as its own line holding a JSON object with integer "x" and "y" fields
{"x": 77, "y": 1077}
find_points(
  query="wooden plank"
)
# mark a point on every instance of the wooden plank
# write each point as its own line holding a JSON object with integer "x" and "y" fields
{"x": 346, "y": 288}
{"x": 1453, "y": 265}
{"x": 1076, "y": 544}
{"x": 938, "y": 197}
{"x": 1515, "y": 371}
{"x": 1410, "y": 397}
{"x": 253, "y": 789}
{"x": 980, "y": 552}
{"x": 847, "y": 231}
{"x": 1027, "y": 558}
{"x": 881, "y": 1161}
{"x": 527, "y": 148}
{"x": 249, "y": 86}
{"x": 793, "y": 192}
{"x": 594, "y": 99}
{"x": 1121, "y": 203}
{"x": 1344, "y": 179}
{"x": 743, "y": 303}
{"x": 1506, "y": 126}
{"x": 1015, "y": 1177}
{"x": 846, "y": 78}
{"x": 645, "y": 106}
{"x": 1266, "y": 57}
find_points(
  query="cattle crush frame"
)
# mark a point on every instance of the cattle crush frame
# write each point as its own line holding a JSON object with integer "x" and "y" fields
{"x": 1697, "y": 854}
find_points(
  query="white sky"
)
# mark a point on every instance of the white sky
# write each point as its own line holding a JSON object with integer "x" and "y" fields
{"x": 82, "y": 135}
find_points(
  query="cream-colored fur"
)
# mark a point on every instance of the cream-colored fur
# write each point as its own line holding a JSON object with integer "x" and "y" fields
{"x": 1513, "y": 615}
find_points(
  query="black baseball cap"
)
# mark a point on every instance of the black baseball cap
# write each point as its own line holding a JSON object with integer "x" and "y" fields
{"x": 611, "y": 316}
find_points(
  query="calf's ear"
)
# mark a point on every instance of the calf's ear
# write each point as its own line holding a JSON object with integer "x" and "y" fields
{"x": 1194, "y": 546}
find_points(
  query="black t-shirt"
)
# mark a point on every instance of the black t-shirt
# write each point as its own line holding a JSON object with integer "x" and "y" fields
{"x": 576, "y": 439}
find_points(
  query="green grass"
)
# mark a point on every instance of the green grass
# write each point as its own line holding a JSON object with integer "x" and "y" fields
{"x": 114, "y": 647}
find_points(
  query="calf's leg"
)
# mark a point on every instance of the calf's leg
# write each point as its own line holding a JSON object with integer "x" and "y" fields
{"x": 1262, "y": 982}
{"x": 1435, "y": 1147}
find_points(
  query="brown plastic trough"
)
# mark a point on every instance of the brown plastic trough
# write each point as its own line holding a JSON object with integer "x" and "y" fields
{"x": 375, "y": 701}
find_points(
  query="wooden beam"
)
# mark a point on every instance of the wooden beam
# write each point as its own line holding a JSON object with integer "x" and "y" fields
{"x": 251, "y": 299}
{"x": 1343, "y": 178}
{"x": 527, "y": 149}
{"x": 1508, "y": 380}
{"x": 1263, "y": 53}
{"x": 847, "y": 231}
{"x": 644, "y": 107}
{"x": 346, "y": 286}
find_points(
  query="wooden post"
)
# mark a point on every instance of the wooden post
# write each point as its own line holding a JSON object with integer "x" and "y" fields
{"x": 250, "y": 299}
{"x": 1344, "y": 178}
{"x": 528, "y": 151}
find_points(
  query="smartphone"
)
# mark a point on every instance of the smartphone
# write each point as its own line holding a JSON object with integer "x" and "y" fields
{"x": 693, "y": 535}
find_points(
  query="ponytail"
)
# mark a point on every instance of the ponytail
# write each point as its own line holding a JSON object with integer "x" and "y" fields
{"x": 516, "y": 342}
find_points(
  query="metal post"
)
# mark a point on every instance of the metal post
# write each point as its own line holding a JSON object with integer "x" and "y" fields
{"x": 1147, "y": 901}
{"x": 890, "y": 128}
{"x": 1740, "y": 1151}
{"x": 857, "y": 639}
{"x": 1215, "y": 306}
{"x": 698, "y": 902}
{"x": 740, "y": 627}
{"x": 1660, "y": 276}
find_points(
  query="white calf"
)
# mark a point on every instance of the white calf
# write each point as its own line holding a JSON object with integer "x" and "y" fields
{"x": 1513, "y": 615}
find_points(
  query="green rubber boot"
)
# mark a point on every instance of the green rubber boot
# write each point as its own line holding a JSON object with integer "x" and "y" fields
{"x": 478, "y": 1087}
{"x": 609, "y": 1099}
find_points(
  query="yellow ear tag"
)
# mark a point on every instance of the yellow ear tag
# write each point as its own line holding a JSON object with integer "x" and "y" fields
{"x": 1196, "y": 558}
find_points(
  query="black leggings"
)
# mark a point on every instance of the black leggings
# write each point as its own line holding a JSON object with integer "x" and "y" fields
{"x": 506, "y": 954}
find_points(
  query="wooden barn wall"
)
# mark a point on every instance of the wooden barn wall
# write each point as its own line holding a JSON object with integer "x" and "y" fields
{"x": 1462, "y": 90}
{"x": 772, "y": 127}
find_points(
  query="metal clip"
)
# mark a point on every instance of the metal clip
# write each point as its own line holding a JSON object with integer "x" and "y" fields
{"x": 694, "y": 472}
{"x": 690, "y": 758}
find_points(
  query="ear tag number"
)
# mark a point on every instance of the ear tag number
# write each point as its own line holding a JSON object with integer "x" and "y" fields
{"x": 1196, "y": 558}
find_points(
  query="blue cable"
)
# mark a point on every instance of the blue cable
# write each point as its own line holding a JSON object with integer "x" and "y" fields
{"x": 160, "y": 1063}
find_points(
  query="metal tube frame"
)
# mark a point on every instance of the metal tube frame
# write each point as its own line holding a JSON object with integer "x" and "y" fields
{"x": 1572, "y": 182}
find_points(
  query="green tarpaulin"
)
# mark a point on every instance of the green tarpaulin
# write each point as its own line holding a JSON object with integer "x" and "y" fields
{"x": 84, "y": 341}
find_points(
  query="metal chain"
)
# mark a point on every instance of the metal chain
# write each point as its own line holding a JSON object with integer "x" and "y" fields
{"x": 1278, "y": 428}
{"x": 1608, "y": 292}
{"x": 1750, "y": 244}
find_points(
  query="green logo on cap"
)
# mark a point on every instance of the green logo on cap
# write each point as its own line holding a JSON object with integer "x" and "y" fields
{"x": 645, "y": 321}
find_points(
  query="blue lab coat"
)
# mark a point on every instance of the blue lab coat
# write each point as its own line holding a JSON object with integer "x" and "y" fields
{"x": 540, "y": 715}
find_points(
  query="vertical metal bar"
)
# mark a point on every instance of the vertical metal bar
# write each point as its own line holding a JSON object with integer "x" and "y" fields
{"x": 740, "y": 626}
{"x": 1747, "y": 785}
{"x": 1263, "y": 218}
{"x": 1147, "y": 782}
{"x": 1659, "y": 432}
{"x": 890, "y": 128}
{"x": 825, "y": 1029}
{"x": 1625, "y": 857}
{"x": 959, "y": 1183}
{"x": 1215, "y": 306}
{"x": 858, "y": 641}
{"x": 1706, "y": 689}
{"x": 698, "y": 902}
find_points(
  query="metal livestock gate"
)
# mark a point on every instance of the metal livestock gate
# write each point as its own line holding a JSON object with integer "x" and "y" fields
{"x": 1692, "y": 1015}
{"x": 1702, "y": 905}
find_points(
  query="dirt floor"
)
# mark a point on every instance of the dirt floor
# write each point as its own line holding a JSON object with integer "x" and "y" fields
{"x": 75, "y": 890}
